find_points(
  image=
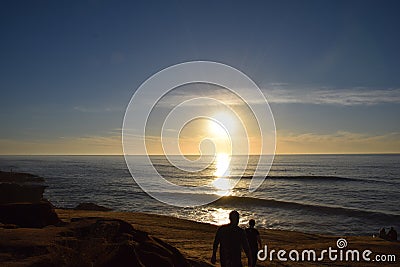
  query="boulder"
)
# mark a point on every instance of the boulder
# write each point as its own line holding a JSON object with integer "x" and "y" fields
{"x": 32, "y": 215}
{"x": 22, "y": 203}
{"x": 113, "y": 242}
{"x": 18, "y": 193}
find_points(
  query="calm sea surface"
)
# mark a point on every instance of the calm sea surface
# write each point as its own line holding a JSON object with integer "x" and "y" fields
{"x": 332, "y": 194}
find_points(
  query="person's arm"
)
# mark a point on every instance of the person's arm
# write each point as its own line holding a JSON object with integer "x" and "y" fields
{"x": 215, "y": 247}
{"x": 246, "y": 248}
{"x": 259, "y": 240}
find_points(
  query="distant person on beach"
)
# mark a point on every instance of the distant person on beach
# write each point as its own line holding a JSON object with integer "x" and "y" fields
{"x": 392, "y": 234}
{"x": 382, "y": 233}
{"x": 231, "y": 239}
{"x": 254, "y": 239}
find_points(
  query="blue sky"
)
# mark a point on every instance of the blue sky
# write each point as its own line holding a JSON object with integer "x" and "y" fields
{"x": 330, "y": 69}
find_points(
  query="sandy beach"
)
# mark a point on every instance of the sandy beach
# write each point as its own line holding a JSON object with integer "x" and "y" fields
{"x": 195, "y": 239}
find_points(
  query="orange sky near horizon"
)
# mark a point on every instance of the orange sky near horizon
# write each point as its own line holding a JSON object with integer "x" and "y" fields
{"x": 287, "y": 143}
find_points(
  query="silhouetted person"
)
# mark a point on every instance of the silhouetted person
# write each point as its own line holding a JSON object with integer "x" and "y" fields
{"x": 382, "y": 233}
{"x": 254, "y": 239}
{"x": 392, "y": 234}
{"x": 231, "y": 239}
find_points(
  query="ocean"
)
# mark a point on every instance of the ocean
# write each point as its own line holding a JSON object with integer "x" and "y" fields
{"x": 328, "y": 194}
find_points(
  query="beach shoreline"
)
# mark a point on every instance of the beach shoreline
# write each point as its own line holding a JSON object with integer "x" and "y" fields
{"x": 65, "y": 237}
{"x": 194, "y": 239}
{"x": 190, "y": 239}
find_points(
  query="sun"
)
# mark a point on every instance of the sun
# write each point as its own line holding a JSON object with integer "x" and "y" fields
{"x": 222, "y": 124}
{"x": 216, "y": 129}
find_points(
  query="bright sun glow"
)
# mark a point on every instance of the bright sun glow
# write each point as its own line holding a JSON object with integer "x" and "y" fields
{"x": 221, "y": 128}
{"x": 224, "y": 124}
{"x": 216, "y": 129}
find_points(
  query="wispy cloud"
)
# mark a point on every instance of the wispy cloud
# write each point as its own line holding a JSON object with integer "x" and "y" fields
{"x": 321, "y": 96}
{"x": 97, "y": 109}
{"x": 94, "y": 144}
{"x": 338, "y": 142}
{"x": 284, "y": 93}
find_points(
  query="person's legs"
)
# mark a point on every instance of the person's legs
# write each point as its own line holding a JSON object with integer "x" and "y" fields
{"x": 253, "y": 256}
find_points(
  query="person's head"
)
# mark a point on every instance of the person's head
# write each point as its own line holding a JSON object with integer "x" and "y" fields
{"x": 234, "y": 217}
{"x": 252, "y": 223}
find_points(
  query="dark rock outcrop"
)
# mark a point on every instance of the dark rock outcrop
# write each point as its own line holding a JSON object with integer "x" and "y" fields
{"x": 22, "y": 203}
{"x": 16, "y": 193}
{"x": 32, "y": 215}
{"x": 91, "y": 206}
{"x": 82, "y": 242}
{"x": 98, "y": 242}
{"x": 113, "y": 242}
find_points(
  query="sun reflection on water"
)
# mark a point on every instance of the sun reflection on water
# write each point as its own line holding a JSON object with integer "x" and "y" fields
{"x": 223, "y": 184}
{"x": 220, "y": 216}
{"x": 222, "y": 162}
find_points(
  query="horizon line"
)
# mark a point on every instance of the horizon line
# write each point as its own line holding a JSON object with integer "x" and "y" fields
{"x": 277, "y": 154}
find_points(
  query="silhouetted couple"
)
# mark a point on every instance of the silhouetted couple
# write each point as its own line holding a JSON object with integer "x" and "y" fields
{"x": 232, "y": 239}
{"x": 391, "y": 235}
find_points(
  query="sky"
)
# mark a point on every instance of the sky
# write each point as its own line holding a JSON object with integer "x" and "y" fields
{"x": 329, "y": 69}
